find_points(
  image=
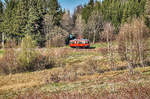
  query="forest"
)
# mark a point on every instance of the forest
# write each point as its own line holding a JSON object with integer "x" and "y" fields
{"x": 45, "y": 21}
{"x": 36, "y": 60}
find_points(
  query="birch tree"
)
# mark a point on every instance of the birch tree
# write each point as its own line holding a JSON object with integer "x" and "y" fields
{"x": 94, "y": 26}
{"x": 108, "y": 35}
{"x": 132, "y": 43}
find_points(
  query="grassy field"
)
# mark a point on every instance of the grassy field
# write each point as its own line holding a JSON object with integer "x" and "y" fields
{"x": 83, "y": 74}
{"x": 112, "y": 82}
{"x": 1, "y": 53}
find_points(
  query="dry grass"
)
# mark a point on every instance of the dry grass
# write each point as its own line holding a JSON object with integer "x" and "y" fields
{"x": 110, "y": 85}
{"x": 23, "y": 83}
{"x": 81, "y": 74}
{"x": 136, "y": 92}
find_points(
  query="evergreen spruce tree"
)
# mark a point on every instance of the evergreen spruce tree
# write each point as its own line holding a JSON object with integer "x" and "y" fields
{"x": 1, "y": 7}
{"x": 87, "y": 10}
{"x": 20, "y": 19}
{"x": 32, "y": 27}
{"x": 1, "y": 20}
{"x": 8, "y": 19}
{"x": 125, "y": 15}
{"x": 91, "y": 3}
{"x": 54, "y": 9}
{"x": 147, "y": 12}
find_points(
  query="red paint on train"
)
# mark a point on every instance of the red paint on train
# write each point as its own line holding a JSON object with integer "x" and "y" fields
{"x": 83, "y": 43}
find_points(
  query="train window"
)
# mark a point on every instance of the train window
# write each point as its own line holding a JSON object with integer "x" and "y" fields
{"x": 86, "y": 42}
{"x": 71, "y": 42}
{"x": 80, "y": 42}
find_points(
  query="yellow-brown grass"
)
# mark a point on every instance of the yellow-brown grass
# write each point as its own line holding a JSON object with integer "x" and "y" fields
{"x": 16, "y": 82}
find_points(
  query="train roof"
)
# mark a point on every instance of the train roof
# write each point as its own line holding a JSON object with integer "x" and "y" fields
{"x": 80, "y": 39}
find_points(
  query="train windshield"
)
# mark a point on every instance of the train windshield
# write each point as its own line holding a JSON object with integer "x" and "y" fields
{"x": 71, "y": 42}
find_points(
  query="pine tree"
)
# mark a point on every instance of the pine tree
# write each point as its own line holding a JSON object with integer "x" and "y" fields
{"x": 87, "y": 10}
{"x": 1, "y": 7}
{"x": 32, "y": 27}
{"x": 1, "y": 11}
{"x": 8, "y": 18}
{"x": 55, "y": 10}
{"x": 20, "y": 19}
{"x": 91, "y": 3}
{"x": 125, "y": 15}
{"x": 1, "y": 15}
{"x": 147, "y": 12}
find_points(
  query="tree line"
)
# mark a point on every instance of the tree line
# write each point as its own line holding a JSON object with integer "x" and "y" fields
{"x": 32, "y": 17}
{"x": 47, "y": 23}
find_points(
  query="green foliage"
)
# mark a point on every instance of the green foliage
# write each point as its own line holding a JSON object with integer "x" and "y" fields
{"x": 23, "y": 17}
{"x": 115, "y": 11}
{"x": 147, "y": 13}
{"x": 86, "y": 12}
{"x": 55, "y": 10}
{"x": 1, "y": 7}
{"x": 118, "y": 11}
{"x": 1, "y": 14}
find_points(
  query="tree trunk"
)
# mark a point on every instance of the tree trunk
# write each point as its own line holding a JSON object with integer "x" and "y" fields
{"x": 141, "y": 52}
{"x": 94, "y": 37}
{"x": 3, "y": 45}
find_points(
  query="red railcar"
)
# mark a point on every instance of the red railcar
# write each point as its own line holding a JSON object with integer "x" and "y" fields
{"x": 79, "y": 43}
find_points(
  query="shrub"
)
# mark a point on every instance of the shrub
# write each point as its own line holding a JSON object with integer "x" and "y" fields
{"x": 64, "y": 74}
{"x": 8, "y": 63}
{"x": 92, "y": 66}
{"x": 27, "y": 54}
{"x": 25, "y": 59}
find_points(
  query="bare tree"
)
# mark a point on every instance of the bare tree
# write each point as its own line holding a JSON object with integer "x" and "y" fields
{"x": 79, "y": 25}
{"x": 48, "y": 25}
{"x": 141, "y": 34}
{"x": 108, "y": 34}
{"x": 132, "y": 42}
{"x": 56, "y": 37}
{"x": 67, "y": 21}
{"x": 94, "y": 26}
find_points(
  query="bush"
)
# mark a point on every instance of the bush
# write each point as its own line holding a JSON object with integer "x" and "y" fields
{"x": 63, "y": 75}
{"x": 27, "y": 54}
{"x": 26, "y": 59}
{"x": 9, "y": 63}
{"x": 92, "y": 66}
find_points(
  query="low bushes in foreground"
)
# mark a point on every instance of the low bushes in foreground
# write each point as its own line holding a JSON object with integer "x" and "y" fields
{"x": 132, "y": 92}
{"x": 12, "y": 62}
{"x": 25, "y": 59}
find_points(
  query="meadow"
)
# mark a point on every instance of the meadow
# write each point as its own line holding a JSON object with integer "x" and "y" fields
{"x": 78, "y": 74}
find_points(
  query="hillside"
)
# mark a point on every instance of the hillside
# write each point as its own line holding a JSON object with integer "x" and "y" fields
{"x": 84, "y": 75}
{"x": 110, "y": 58}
